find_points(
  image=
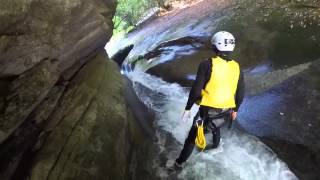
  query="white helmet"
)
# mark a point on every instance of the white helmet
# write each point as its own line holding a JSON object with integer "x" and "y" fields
{"x": 224, "y": 41}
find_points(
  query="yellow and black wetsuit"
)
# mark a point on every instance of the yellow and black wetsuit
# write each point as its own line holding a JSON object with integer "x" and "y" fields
{"x": 197, "y": 94}
{"x": 203, "y": 77}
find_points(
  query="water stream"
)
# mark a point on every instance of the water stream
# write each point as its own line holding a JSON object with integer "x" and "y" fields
{"x": 239, "y": 156}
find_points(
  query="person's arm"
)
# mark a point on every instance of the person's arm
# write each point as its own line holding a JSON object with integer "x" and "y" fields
{"x": 198, "y": 85}
{"x": 240, "y": 92}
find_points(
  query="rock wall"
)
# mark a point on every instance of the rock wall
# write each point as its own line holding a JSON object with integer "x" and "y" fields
{"x": 42, "y": 42}
{"x": 90, "y": 132}
{"x": 62, "y": 110}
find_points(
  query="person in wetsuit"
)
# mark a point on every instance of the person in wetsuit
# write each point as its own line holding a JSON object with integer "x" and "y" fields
{"x": 218, "y": 89}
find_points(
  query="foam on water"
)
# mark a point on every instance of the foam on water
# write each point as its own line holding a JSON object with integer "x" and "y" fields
{"x": 239, "y": 156}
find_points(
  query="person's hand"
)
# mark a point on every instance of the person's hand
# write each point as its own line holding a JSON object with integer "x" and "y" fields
{"x": 234, "y": 115}
{"x": 186, "y": 115}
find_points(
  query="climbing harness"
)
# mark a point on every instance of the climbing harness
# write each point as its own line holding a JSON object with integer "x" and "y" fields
{"x": 226, "y": 114}
{"x": 200, "y": 139}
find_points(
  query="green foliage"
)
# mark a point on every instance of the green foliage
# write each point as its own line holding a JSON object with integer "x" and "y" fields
{"x": 129, "y": 13}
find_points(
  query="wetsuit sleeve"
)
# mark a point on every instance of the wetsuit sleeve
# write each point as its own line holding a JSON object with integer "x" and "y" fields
{"x": 198, "y": 85}
{"x": 240, "y": 92}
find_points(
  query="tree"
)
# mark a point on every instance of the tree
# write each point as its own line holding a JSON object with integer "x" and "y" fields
{"x": 161, "y": 3}
{"x": 129, "y": 12}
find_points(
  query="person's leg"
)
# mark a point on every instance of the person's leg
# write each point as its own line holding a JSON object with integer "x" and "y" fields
{"x": 215, "y": 129}
{"x": 215, "y": 137}
{"x": 215, "y": 125}
{"x": 189, "y": 143}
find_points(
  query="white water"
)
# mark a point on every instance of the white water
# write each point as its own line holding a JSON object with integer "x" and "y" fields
{"x": 238, "y": 157}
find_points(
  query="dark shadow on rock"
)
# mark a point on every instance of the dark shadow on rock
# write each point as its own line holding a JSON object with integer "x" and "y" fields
{"x": 180, "y": 69}
{"x": 141, "y": 112}
{"x": 122, "y": 54}
{"x": 184, "y": 41}
{"x": 303, "y": 161}
{"x": 17, "y": 151}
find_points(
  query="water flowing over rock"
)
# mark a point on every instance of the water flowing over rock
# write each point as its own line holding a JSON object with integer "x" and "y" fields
{"x": 277, "y": 47}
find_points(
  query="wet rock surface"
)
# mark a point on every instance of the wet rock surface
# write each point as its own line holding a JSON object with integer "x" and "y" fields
{"x": 286, "y": 117}
{"x": 288, "y": 110}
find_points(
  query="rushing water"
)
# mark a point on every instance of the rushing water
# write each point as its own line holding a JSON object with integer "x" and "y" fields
{"x": 239, "y": 156}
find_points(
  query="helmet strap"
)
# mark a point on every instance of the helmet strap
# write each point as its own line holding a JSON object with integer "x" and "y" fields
{"x": 226, "y": 55}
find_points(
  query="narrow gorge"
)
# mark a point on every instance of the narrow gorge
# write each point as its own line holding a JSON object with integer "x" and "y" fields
{"x": 77, "y": 103}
